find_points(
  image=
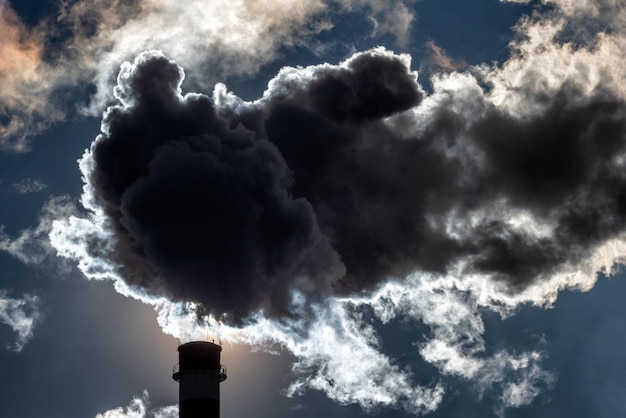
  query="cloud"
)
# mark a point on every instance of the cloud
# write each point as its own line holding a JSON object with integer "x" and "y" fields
{"x": 32, "y": 245}
{"x": 26, "y": 107}
{"x": 230, "y": 212}
{"x": 85, "y": 43}
{"x": 395, "y": 17}
{"x": 605, "y": 12}
{"x": 456, "y": 346}
{"x": 29, "y": 186}
{"x": 21, "y": 315}
{"x": 139, "y": 408}
{"x": 340, "y": 355}
{"x": 442, "y": 184}
{"x": 440, "y": 61}
{"x": 350, "y": 367}
{"x": 500, "y": 187}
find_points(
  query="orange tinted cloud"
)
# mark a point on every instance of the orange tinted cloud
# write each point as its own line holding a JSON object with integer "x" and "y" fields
{"x": 19, "y": 51}
{"x": 25, "y": 84}
{"x": 440, "y": 60}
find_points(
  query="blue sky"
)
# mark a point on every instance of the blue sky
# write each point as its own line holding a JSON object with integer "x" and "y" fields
{"x": 393, "y": 209}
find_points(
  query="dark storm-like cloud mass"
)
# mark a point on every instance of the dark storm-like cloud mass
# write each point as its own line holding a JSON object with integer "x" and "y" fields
{"x": 331, "y": 184}
{"x": 561, "y": 166}
{"x": 384, "y": 194}
{"x": 201, "y": 211}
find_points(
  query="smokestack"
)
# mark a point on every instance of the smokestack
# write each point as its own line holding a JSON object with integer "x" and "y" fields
{"x": 199, "y": 374}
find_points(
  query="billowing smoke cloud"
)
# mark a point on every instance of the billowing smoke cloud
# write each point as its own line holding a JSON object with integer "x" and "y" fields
{"x": 348, "y": 195}
{"x": 208, "y": 213}
{"x": 442, "y": 184}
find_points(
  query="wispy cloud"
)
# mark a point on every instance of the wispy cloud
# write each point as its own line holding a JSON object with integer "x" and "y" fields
{"x": 26, "y": 106}
{"x": 29, "y": 186}
{"x": 88, "y": 40}
{"x": 440, "y": 61}
{"x": 392, "y": 16}
{"x": 32, "y": 245}
{"x": 21, "y": 315}
{"x": 139, "y": 407}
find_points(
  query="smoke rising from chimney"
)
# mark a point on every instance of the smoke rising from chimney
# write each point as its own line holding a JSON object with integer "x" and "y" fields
{"x": 200, "y": 210}
{"x": 357, "y": 197}
{"x": 332, "y": 183}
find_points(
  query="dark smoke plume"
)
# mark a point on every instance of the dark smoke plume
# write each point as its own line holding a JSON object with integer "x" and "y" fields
{"x": 201, "y": 211}
{"x": 327, "y": 186}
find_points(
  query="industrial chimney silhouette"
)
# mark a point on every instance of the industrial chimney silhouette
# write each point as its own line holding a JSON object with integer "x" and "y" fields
{"x": 199, "y": 374}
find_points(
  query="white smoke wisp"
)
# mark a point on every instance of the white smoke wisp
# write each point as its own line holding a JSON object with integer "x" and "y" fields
{"x": 31, "y": 245}
{"x": 139, "y": 407}
{"x": 21, "y": 315}
{"x": 29, "y": 185}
